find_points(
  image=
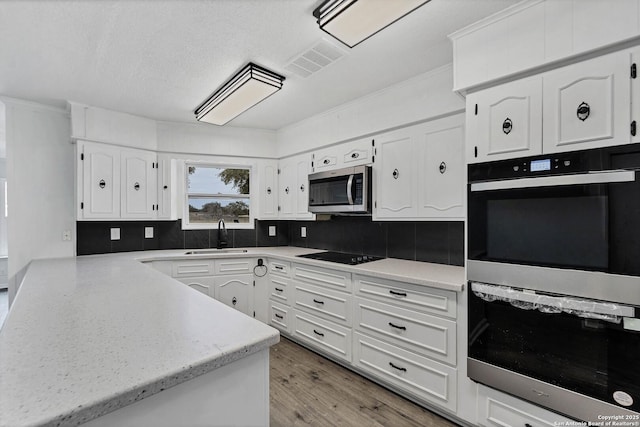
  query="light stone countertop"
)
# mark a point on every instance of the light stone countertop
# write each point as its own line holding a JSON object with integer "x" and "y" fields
{"x": 91, "y": 334}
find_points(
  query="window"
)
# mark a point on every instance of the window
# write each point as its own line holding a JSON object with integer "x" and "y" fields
{"x": 216, "y": 192}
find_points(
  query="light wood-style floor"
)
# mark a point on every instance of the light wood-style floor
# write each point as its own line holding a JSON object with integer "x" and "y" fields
{"x": 309, "y": 390}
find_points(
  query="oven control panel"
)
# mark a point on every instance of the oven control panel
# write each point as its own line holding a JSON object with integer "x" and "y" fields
{"x": 529, "y": 166}
{"x": 597, "y": 159}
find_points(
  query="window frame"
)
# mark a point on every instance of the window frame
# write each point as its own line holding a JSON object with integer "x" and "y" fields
{"x": 186, "y": 225}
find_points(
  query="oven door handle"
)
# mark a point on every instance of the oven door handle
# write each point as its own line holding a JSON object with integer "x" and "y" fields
{"x": 605, "y": 177}
{"x": 579, "y": 306}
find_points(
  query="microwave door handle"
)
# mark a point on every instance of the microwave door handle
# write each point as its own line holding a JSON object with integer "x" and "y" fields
{"x": 607, "y": 177}
{"x": 349, "y": 186}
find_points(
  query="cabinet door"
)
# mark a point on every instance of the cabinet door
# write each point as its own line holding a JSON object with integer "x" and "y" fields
{"x": 441, "y": 172}
{"x": 286, "y": 189}
{"x": 497, "y": 409}
{"x": 586, "y": 105}
{"x": 236, "y": 291}
{"x": 302, "y": 188}
{"x": 325, "y": 159}
{"x": 166, "y": 188}
{"x": 507, "y": 120}
{"x": 268, "y": 191}
{"x": 203, "y": 285}
{"x": 357, "y": 152}
{"x": 100, "y": 181}
{"x": 394, "y": 173}
{"x": 139, "y": 178}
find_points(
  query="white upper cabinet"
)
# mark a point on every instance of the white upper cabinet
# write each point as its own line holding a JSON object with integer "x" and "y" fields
{"x": 587, "y": 105}
{"x": 167, "y": 176}
{"x": 293, "y": 191}
{"x": 535, "y": 33}
{"x": 98, "y": 181}
{"x": 579, "y": 106}
{"x": 354, "y": 153}
{"x": 441, "y": 176}
{"x": 394, "y": 174}
{"x": 420, "y": 171}
{"x": 116, "y": 184}
{"x": 268, "y": 190}
{"x": 139, "y": 180}
{"x": 506, "y": 121}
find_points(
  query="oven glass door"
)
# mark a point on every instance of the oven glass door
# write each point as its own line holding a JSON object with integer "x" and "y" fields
{"x": 587, "y": 226}
{"x": 597, "y": 358}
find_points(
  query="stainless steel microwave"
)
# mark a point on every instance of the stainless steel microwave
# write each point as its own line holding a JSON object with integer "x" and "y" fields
{"x": 341, "y": 191}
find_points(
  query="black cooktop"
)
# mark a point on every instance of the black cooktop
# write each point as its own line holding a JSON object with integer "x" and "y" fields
{"x": 341, "y": 257}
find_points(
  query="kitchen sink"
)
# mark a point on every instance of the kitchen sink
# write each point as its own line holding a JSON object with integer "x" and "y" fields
{"x": 216, "y": 251}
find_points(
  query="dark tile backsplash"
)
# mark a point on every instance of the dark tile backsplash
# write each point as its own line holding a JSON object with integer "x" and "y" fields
{"x": 440, "y": 242}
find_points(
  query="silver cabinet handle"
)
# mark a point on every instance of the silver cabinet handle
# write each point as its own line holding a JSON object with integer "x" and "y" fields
{"x": 349, "y": 185}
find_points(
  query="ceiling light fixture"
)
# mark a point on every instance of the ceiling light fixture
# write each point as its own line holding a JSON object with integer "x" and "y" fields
{"x": 247, "y": 88}
{"x": 353, "y": 21}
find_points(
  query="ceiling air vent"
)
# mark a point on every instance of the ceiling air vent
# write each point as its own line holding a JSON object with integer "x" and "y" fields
{"x": 314, "y": 59}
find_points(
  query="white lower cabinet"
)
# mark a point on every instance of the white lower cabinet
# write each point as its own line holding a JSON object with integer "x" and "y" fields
{"x": 327, "y": 303}
{"x": 236, "y": 291}
{"x": 409, "y": 371}
{"x": 499, "y": 410}
{"x": 422, "y": 333}
{"x": 322, "y": 334}
{"x": 280, "y": 316}
{"x": 203, "y": 285}
{"x": 213, "y": 278}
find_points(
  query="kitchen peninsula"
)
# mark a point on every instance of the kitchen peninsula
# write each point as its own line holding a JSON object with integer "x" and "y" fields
{"x": 88, "y": 336}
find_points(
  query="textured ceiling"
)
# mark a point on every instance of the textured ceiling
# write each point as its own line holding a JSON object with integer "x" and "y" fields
{"x": 162, "y": 58}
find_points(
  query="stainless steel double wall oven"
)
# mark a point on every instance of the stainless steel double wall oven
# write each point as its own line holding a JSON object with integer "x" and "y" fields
{"x": 554, "y": 275}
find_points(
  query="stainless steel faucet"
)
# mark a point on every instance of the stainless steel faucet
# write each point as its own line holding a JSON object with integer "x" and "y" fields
{"x": 223, "y": 238}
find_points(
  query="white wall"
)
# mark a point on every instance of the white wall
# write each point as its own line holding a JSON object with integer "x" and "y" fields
{"x": 423, "y": 97}
{"x": 40, "y": 165}
{"x": 199, "y": 138}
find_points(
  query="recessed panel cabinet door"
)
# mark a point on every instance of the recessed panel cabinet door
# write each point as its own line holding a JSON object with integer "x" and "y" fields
{"x": 101, "y": 182}
{"x": 442, "y": 175}
{"x": 586, "y": 105}
{"x": 138, "y": 184}
{"x": 286, "y": 183}
{"x": 395, "y": 174}
{"x": 507, "y": 120}
{"x": 302, "y": 188}
{"x": 269, "y": 191}
{"x": 236, "y": 291}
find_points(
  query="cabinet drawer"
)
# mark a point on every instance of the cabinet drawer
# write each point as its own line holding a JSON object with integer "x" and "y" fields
{"x": 324, "y": 302}
{"x": 280, "y": 289}
{"x": 423, "y": 377}
{"x": 234, "y": 266}
{"x": 323, "y": 277}
{"x": 279, "y": 316}
{"x": 408, "y": 295}
{"x": 425, "y": 334}
{"x": 497, "y": 409}
{"x": 323, "y": 334}
{"x": 192, "y": 267}
{"x": 279, "y": 267}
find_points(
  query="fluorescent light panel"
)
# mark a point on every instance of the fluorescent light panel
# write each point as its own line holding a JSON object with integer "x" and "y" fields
{"x": 353, "y": 21}
{"x": 247, "y": 88}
